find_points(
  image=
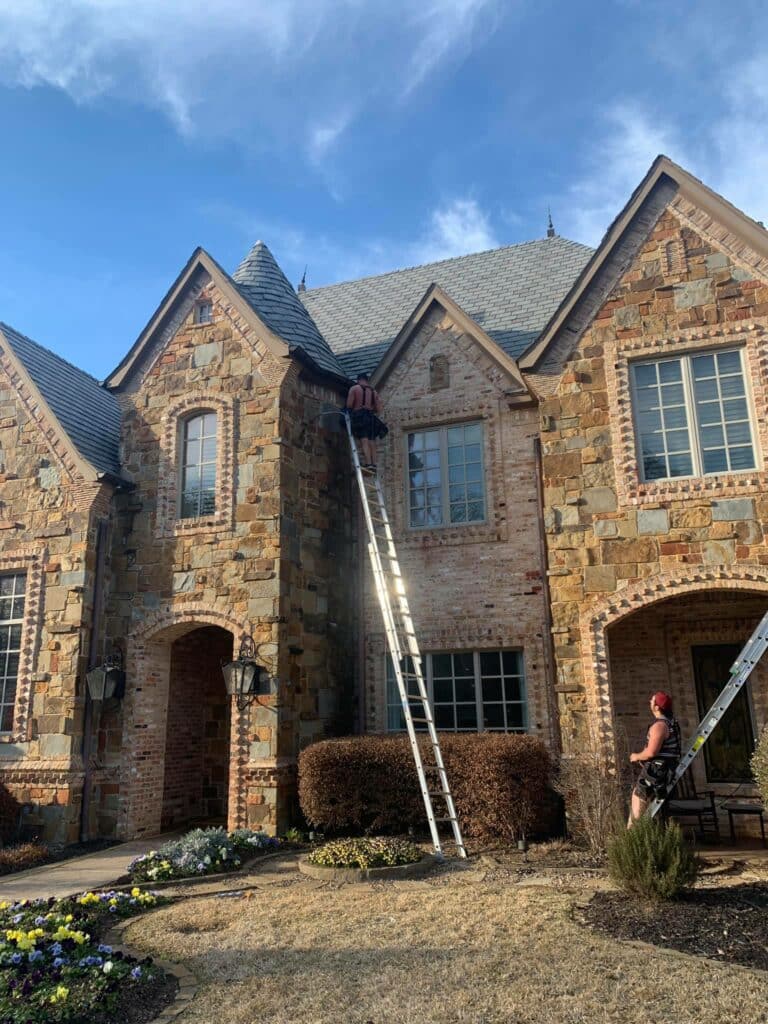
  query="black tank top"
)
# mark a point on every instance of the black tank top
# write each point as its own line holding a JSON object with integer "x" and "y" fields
{"x": 670, "y": 748}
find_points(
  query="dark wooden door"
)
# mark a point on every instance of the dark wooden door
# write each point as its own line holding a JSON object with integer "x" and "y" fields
{"x": 729, "y": 748}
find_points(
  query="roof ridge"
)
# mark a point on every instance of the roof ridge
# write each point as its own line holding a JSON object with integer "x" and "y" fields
{"x": 449, "y": 259}
{"x": 44, "y": 348}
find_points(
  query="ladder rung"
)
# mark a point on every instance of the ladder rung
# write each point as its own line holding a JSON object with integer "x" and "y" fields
{"x": 451, "y": 817}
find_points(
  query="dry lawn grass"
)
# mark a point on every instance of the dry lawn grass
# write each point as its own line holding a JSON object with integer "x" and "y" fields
{"x": 459, "y": 952}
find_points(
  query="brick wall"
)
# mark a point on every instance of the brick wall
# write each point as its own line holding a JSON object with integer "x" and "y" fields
{"x": 48, "y": 518}
{"x": 470, "y": 587}
{"x": 617, "y": 545}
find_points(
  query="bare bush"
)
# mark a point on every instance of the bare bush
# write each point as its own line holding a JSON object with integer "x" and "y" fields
{"x": 593, "y": 798}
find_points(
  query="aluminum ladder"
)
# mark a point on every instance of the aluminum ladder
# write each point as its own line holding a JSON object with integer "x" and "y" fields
{"x": 404, "y": 650}
{"x": 740, "y": 673}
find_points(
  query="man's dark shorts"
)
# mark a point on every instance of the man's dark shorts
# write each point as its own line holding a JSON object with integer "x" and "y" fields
{"x": 652, "y": 780}
{"x": 366, "y": 424}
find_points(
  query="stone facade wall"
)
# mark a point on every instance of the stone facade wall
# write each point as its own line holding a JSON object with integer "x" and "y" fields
{"x": 255, "y": 566}
{"x": 48, "y": 521}
{"x": 616, "y": 544}
{"x": 473, "y": 587}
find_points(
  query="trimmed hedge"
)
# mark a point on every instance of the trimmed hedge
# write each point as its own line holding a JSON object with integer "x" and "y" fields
{"x": 498, "y": 782}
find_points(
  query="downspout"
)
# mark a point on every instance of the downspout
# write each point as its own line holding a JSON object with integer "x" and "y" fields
{"x": 547, "y": 641}
{"x": 93, "y": 658}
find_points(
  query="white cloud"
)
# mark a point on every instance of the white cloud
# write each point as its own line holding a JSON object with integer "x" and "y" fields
{"x": 262, "y": 71}
{"x": 458, "y": 227}
{"x": 728, "y": 152}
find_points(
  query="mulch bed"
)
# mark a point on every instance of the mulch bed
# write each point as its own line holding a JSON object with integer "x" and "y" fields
{"x": 144, "y": 1005}
{"x": 728, "y": 923}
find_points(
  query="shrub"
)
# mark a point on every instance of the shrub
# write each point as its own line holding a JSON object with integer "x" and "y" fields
{"x": 760, "y": 765}
{"x": 25, "y": 855}
{"x": 381, "y": 852}
{"x": 593, "y": 798}
{"x": 203, "y": 851}
{"x": 652, "y": 860}
{"x": 10, "y": 811}
{"x": 54, "y": 969}
{"x": 498, "y": 783}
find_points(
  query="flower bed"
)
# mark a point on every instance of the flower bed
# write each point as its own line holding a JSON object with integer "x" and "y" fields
{"x": 382, "y": 852}
{"x": 54, "y": 969}
{"x": 203, "y": 851}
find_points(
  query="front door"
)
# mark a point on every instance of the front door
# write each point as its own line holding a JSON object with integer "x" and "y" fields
{"x": 729, "y": 748}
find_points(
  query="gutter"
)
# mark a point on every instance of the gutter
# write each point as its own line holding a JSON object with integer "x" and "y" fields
{"x": 547, "y": 641}
{"x": 93, "y": 658}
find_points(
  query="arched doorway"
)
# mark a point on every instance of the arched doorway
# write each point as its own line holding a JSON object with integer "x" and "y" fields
{"x": 685, "y": 645}
{"x": 197, "y": 730}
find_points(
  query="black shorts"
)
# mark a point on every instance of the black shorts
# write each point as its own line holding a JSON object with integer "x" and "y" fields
{"x": 366, "y": 424}
{"x": 654, "y": 778}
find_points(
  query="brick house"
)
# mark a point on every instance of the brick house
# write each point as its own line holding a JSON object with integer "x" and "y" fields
{"x": 652, "y": 378}
{"x": 558, "y": 531}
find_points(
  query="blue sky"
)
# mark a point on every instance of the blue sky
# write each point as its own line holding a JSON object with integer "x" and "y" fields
{"x": 352, "y": 136}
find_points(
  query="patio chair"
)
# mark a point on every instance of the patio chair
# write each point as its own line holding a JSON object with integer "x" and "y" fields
{"x": 685, "y": 802}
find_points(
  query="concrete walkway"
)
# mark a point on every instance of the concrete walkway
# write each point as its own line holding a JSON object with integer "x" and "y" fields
{"x": 78, "y": 874}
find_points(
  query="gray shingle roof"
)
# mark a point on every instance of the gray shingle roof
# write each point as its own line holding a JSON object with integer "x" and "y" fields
{"x": 511, "y": 293}
{"x": 266, "y": 289}
{"x": 88, "y": 412}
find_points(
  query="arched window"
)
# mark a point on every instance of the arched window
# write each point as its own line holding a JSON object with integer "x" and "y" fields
{"x": 439, "y": 373}
{"x": 198, "y": 467}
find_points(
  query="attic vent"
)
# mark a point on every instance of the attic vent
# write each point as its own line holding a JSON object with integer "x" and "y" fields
{"x": 439, "y": 373}
{"x": 674, "y": 257}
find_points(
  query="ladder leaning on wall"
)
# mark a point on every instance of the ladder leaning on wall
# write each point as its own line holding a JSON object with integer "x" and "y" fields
{"x": 405, "y": 654}
{"x": 741, "y": 670}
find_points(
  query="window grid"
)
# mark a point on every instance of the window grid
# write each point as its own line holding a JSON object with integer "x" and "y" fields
{"x": 692, "y": 415}
{"x": 204, "y": 313}
{"x": 198, "y": 478}
{"x": 12, "y": 594}
{"x": 469, "y": 691}
{"x": 445, "y": 476}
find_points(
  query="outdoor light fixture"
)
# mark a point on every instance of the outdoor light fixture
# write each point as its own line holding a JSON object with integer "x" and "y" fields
{"x": 108, "y": 679}
{"x": 244, "y": 678}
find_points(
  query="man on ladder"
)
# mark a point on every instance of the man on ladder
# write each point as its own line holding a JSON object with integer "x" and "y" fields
{"x": 364, "y": 406}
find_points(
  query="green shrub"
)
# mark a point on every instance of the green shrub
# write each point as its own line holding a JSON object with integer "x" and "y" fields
{"x": 202, "y": 851}
{"x": 381, "y": 852}
{"x": 652, "y": 860}
{"x": 498, "y": 782}
{"x": 23, "y": 856}
{"x": 760, "y": 765}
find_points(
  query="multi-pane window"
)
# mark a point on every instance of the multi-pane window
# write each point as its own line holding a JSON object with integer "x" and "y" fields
{"x": 692, "y": 415}
{"x": 198, "y": 471}
{"x": 445, "y": 476}
{"x": 204, "y": 313}
{"x": 469, "y": 691}
{"x": 12, "y": 590}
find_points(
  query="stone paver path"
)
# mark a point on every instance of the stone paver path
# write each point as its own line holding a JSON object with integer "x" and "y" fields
{"x": 78, "y": 874}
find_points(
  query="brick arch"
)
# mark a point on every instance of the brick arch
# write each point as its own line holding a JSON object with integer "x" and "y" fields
{"x": 596, "y": 620}
{"x": 148, "y": 663}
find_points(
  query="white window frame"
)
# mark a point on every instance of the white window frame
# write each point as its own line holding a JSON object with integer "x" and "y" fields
{"x": 445, "y": 502}
{"x": 5, "y": 650}
{"x": 684, "y": 358}
{"x": 207, "y": 305}
{"x": 429, "y": 681}
{"x": 183, "y": 464}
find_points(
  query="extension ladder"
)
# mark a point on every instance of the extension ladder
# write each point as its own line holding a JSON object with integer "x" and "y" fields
{"x": 740, "y": 673}
{"x": 404, "y": 650}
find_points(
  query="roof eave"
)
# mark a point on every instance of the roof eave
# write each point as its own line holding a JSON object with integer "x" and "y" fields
{"x": 706, "y": 198}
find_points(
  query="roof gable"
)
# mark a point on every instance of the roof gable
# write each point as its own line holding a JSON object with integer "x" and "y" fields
{"x": 267, "y": 290}
{"x": 436, "y": 295}
{"x": 88, "y": 415}
{"x": 664, "y": 180}
{"x": 510, "y": 293}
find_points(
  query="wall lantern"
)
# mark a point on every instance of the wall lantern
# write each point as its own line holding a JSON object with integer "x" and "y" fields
{"x": 108, "y": 679}
{"x": 244, "y": 679}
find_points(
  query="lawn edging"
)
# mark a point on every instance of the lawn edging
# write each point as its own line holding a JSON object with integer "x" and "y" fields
{"x": 396, "y": 871}
{"x": 187, "y": 981}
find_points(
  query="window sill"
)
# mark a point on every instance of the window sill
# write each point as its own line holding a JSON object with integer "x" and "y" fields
{"x": 725, "y": 485}
{"x": 205, "y": 524}
{"x": 437, "y": 536}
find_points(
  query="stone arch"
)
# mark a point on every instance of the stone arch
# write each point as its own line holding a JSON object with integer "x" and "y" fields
{"x": 639, "y": 594}
{"x": 148, "y": 662}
